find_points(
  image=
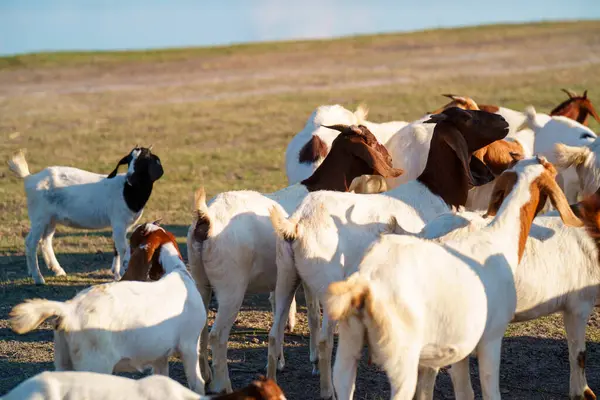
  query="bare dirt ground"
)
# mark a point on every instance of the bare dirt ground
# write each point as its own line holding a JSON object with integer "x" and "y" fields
{"x": 222, "y": 118}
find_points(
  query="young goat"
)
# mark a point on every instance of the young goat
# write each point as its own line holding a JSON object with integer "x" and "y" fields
{"x": 81, "y": 199}
{"x": 328, "y": 234}
{"x": 232, "y": 237}
{"x": 110, "y": 327}
{"x": 307, "y": 150}
{"x": 418, "y": 302}
{"x": 94, "y": 386}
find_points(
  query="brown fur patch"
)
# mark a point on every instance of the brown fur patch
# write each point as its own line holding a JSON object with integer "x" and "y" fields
{"x": 202, "y": 227}
{"x": 489, "y": 108}
{"x": 312, "y": 151}
{"x": 261, "y": 389}
{"x": 145, "y": 261}
{"x": 497, "y": 156}
{"x": 577, "y": 108}
{"x": 588, "y": 394}
{"x": 354, "y": 152}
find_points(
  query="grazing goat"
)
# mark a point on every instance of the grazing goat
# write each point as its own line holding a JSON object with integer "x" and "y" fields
{"x": 110, "y": 327}
{"x": 94, "y": 386}
{"x": 421, "y": 303}
{"x": 81, "y": 199}
{"x": 327, "y": 235}
{"x": 232, "y": 237}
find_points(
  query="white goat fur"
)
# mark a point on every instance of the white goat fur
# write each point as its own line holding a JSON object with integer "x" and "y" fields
{"x": 334, "y": 231}
{"x": 76, "y": 198}
{"x": 430, "y": 300}
{"x": 241, "y": 244}
{"x": 66, "y": 385}
{"x": 330, "y": 115}
{"x": 108, "y": 327}
{"x": 552, "y": 130}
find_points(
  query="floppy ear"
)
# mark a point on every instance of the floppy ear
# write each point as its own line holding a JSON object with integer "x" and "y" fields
{"x": 138, "y": 266}
{"x": 569, "y": 155}
{"x": 549, "y": 186}
{"x": 481, "y": 173}
{"x": 373, "y": 158}
{"x": 123, "y": 161}
{"x": 457, "y": 143}
{"x": 155, "y": 169}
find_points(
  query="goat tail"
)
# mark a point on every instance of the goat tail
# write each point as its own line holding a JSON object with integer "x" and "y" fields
{"x": 201, "y": 224}
{"x": 18, "y": 164}
{"x": 530, "y": 119}
{"x": 347, "y": 297}
{"x": 284, "y": 228}
{"x": 28, "y": 315}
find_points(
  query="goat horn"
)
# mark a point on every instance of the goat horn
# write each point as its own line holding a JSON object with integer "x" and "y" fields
{"x": 338, "y": 127}
{"x": 156, "y": 221}
{"x": 150, "y": 147}
{"x": 569, "y": 93}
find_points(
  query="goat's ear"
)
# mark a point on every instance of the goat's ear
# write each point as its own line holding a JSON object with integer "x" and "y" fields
{"x": 457, "y": 143}
{"x": 569, "y": 155}
{"x": 155, "y": 169}
{"x": 124, "y": 161}
{"x": 137, "y": 269}
{"x": 549, "y": 186}
{"x": 373, "y": 158}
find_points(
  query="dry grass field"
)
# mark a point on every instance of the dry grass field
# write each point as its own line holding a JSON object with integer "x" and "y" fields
{"x": 222, "y": 117}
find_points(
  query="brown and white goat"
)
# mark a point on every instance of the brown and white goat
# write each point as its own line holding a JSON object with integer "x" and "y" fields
{"x": 109, "y": 327}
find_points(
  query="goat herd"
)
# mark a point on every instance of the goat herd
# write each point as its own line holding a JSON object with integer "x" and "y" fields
{"x": 419, "y": 240}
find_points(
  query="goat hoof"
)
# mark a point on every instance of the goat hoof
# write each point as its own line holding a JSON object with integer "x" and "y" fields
{"x": 588, "y": 394}
{"x": 39, "y": 280}
{"x": 59, "y": 272}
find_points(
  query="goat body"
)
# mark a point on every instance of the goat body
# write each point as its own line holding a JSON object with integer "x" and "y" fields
{"x": 125, "y": 326}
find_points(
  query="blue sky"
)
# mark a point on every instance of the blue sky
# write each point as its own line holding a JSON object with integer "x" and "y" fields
{"x": 48, "y": 25}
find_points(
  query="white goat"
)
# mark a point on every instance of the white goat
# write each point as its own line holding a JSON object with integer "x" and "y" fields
{"x": 125, "y": 326}
{"x": 81, "y": 199}
{"x": 552, "y": 130}
{"x": 231, "y": 243}
{"x": 327, "y": 235}
{"x": 423, "y": 303}
{"x": 307, "y": 150}
{"x": 93, "y": 386}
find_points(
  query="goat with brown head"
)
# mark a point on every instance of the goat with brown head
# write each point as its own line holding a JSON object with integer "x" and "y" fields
{"x": 354, "y": 152}
{"x": 576, "y": 107}
{"x": 260, "y": 389}
{"x": 142, "y": 257}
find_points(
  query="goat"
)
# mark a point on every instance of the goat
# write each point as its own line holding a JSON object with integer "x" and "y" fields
{"x": 329, "y": 232}
{"x": 558, "y": 129}
{"x": 93, "y": 386}
{"x": 422, "y": 303}
{"x": 307, "y": 150}
{"x": 81, "y": 199}
{"x": 109, "y": 327}
{"x": 576, "y": 107}
{"x": 232, "y": 236}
